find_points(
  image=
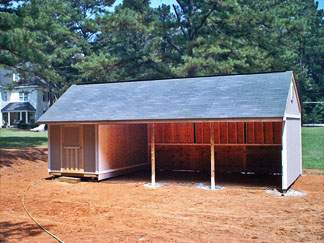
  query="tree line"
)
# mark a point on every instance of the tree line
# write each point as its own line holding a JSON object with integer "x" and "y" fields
{"x": 62, "y": 42}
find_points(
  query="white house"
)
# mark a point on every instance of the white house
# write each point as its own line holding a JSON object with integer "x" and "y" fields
{"x": 25, "y": 102}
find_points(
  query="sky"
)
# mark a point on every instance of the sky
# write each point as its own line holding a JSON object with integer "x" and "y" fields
{"x": 321, "y": 4}
{"x": 154, "y": 3}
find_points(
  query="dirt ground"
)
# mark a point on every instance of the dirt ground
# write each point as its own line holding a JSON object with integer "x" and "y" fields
{"x": 115, "y": 211}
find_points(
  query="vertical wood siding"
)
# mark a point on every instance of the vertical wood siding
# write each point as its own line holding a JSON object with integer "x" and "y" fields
{"x": 55, "y": 147}
{"x": 122, "y": 145}
{"x": 239, "y": 146}
{"x": 89, "y": 148}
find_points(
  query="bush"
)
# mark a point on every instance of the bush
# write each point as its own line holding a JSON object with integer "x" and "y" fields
{"x": 27, "y": 126}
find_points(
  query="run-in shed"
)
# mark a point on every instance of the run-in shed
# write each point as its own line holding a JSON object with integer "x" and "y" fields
{"x": 237, "y": 123}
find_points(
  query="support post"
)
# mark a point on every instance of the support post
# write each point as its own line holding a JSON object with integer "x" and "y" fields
{"x": 26, "y": 117}
{"x": 20, "y": 115}
{"x": 153, "y": 155}
{"x": 212, "y": 156}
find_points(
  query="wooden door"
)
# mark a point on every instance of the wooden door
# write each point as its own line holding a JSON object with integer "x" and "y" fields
{"x": 72, "y": 152}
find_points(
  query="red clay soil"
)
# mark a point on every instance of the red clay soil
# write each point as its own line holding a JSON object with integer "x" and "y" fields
{"x": 131, "y": 212}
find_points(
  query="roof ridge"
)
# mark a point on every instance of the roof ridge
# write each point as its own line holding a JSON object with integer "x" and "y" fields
{"x": 180, "y": 78}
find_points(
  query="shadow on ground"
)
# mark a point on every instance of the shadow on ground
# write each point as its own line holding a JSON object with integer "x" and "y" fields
{"x": 10, "y": 156}
{"x": 19, "y": 142}
{"x": 19, "y": 231}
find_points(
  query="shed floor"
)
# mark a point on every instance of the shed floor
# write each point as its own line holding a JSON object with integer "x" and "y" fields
{"x": 198, "y": 179}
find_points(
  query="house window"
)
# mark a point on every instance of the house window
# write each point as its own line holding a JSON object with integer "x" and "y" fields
{"x": 23, "y": 96}
{"x": 15, "y": 77}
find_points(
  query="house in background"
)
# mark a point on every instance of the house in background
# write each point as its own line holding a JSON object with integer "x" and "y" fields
{"x": 25, "y": 102}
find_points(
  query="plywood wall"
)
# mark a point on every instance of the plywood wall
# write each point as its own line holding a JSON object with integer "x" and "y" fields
{"x": 293, "y": 163}
{"x": 259, "y": 159}
{"x": 89, "y": 148}
{"x": 122, "y": 145}
{"x": 71, "y": 137}
{"x": 239, "y": 146}
{"x": 224, "y": 132}
{"x": 54, "y": 147}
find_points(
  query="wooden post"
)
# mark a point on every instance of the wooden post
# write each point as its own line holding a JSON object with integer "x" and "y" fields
{"x": 153, "y": 155}
{"x": 212, "y": 156}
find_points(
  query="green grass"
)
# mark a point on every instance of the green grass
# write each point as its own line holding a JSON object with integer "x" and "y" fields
{"x": 313, "y": 147}
{"x": 18, "y": 138}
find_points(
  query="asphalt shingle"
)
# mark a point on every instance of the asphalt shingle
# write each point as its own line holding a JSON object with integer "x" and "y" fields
{"x": 236, "y": 96}
{"x": 18, "y": 106}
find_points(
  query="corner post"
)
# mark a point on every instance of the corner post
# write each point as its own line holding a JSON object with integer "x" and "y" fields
{"x": 212, "y": 156}
{"x": 152, "y": 155}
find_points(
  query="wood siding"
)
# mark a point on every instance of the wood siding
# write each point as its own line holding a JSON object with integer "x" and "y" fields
{"x": 89, "y": 148}
{"x": 224, "y": 133}
{"x": 239, "y": 146}
{"x": 122, "y": 146}
{"x": 71, "y": 137}
{"x": 54, "y": 147}
{"x": 241, "y": 158}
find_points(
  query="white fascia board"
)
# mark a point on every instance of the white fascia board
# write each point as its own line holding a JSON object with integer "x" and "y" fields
{"x": 284, "y": 157}
{"x": 96, "y": 148}
{"x": 49, "y": 146}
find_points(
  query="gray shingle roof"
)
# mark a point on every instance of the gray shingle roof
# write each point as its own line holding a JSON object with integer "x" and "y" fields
{"x": 18, "y": 106}
{"x": 236, "y": 96}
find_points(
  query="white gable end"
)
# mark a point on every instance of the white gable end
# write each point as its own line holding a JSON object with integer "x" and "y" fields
{"x": 292, "y": 107}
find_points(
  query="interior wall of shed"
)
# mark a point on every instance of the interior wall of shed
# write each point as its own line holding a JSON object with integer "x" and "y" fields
{"x": 121, "y": 148}
{"x": 239, "y": 146}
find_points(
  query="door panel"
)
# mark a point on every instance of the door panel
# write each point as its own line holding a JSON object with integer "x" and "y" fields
{"x": 72, "y": 152}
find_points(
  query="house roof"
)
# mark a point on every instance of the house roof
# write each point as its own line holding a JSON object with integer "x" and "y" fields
{"x": 18, "y": 106}
{"x": 6, "y": 80}
{"x": 237, "y": 96}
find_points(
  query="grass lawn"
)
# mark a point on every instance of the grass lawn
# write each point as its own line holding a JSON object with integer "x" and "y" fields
{"x": 313, "y": 147}
{"x": 18, "y": 138}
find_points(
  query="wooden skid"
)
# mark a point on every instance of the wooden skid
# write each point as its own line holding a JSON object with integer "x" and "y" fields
{"x": 67, "y": 179}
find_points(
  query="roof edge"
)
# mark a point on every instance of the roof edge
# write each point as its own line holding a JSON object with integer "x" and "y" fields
{"x": 185, "y": 77}
{"x": 191, "y": 120}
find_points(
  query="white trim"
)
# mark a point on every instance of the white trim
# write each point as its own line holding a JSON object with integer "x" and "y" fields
{"x": 122, "y": 168}
{"x": 120, "y": 171}
{"x": 58, "y": 171}
{"x": 49, "y": 147}
{"x": 20, "y": 111}
{"x": 91, "y": 173}
{"x": 96, "y": 149}
{"x": 284, "y": 157}
{"x": 301, "y": 150}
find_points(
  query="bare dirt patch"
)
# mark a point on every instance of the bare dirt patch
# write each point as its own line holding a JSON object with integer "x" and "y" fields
{"x": 119, "y": 212}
